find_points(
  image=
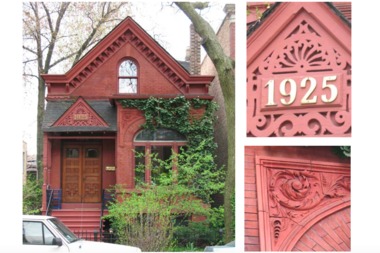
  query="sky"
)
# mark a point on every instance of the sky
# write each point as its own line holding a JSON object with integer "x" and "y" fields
{"x": 163, "y": 21}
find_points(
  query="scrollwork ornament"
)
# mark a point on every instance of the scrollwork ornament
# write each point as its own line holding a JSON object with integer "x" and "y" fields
{"x": 295, "y": 190}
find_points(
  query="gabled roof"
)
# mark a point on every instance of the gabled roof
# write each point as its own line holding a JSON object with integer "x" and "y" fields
{"x": 95, "y": 116}
{"x": 128, "y": 31}
{"x": 341, "y": 9}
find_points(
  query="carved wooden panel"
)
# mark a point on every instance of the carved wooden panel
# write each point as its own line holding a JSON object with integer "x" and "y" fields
{"x": 80, "y": 114}
{"x": 293, "y": 195}
{"x": 81, "y": 174}
{"x": 71, "y": 174}
{"x": 91, "y": 174}
{"x": 300, "y": 85}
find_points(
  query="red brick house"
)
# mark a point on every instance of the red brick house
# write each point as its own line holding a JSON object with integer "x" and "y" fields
{"x": 89, "y": 137}
{"x": 299, "y": 69}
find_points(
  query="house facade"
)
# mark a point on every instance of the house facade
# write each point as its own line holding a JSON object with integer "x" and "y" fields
{"x": 90, "y": 137}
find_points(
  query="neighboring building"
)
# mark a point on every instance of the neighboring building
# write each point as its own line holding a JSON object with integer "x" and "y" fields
{"x": 299, "y": 69}
{"x": 89, "y": 136}
{"x": 226, "y": 36}
{"x": 24, "y": 161}
{"x": 29, "y": 164}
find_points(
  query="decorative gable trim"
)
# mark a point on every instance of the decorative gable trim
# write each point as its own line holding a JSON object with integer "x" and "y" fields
{"x": 126, "y": 32}
{"x": 80, "y": 114}
{"x": 299, "y": 73}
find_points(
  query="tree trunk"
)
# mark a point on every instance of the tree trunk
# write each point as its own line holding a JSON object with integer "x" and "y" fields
{"x": 224, "y": 66}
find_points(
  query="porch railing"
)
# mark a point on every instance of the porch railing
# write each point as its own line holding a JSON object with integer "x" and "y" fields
{"x": 107, "y": 196}
{"x": 54, "y": 200}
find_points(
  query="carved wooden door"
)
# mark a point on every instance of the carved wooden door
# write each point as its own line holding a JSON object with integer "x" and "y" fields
{"x": 81, "y": 174}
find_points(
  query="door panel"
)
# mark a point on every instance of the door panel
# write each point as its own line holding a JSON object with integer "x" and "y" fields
{"x": 91, "y": 175}
{"x": 81, "y": 174}
{"x": 71, "y": 183}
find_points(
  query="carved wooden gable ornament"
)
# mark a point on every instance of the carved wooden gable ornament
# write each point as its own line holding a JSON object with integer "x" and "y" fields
{"x": 299, "y": 72}
{"x": 80, "y": 114}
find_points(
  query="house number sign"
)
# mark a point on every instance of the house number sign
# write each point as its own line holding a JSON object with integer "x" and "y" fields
{"x": 301, "y": 91}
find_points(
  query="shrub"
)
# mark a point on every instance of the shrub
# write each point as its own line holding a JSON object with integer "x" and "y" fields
{"x": 32, "y": 196}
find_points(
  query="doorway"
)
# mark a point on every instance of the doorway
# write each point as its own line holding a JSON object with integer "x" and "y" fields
{"x": 81, "y": 173}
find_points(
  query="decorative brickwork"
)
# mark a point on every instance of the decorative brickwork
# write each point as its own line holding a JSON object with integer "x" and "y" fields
{"x": 295, "y": 195}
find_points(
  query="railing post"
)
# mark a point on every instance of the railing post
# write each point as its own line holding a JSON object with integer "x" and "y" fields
{"x": 96, "y": 235}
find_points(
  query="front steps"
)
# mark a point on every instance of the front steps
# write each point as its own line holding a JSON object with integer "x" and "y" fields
{"x": 82, "y": 219}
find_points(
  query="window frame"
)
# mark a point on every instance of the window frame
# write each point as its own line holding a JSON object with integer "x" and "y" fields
{"x": 175, "y": 146}
{"x": 43, "y": 229}
{"x": 128, "y": 77}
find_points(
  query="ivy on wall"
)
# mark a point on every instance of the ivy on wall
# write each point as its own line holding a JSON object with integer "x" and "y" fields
{"x": 176, "y": 114}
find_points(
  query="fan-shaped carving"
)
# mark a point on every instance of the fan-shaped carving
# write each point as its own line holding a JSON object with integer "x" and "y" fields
{"x": 303, "y": 53}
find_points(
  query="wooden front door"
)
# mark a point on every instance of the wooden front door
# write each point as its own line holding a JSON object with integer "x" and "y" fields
{"x": 81, "y": 174}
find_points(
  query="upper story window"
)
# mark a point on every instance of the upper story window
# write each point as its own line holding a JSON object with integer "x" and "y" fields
{"x": 128, "y": 77}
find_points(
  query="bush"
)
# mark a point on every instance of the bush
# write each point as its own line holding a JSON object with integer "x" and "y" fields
{"x": 145, "y": 218}
{"x": 201, "y": 234}
{"x": 32, "y": 196}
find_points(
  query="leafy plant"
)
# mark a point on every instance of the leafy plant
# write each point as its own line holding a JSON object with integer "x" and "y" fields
{"x": 145, "y": 217}
{"x": 149, "y": 216}
{"x": 197, "y": 160}
{"x": 32, "y": 195}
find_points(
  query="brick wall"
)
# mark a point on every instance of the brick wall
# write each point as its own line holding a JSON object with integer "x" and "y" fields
{"x": 251, "y": 224}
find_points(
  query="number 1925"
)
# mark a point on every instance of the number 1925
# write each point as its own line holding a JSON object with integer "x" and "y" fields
{"x": 288, "y": 91}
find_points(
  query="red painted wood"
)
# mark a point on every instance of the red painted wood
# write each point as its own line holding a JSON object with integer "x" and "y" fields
{"x": 80, "y": 114}
{"x": 299, "y": 44}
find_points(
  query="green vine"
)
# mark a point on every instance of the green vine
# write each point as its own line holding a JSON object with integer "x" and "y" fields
{"x": 199, "y": 155}
{"x": 175, "y": 114}
{"x": 342, "y": 151}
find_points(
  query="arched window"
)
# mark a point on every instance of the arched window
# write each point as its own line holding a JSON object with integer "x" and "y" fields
{"x": 128, "y": 77}
{"x": 159, "y": 144}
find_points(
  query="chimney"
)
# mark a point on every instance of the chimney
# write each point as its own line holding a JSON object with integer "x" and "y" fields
{"x": 194, "y": 54}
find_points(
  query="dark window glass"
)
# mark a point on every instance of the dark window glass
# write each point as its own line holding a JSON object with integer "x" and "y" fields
{"x": 91, "y": 153}
{"x": 160, "y": 134}
{"x": 139, "y": 165}
{"x": 160, "y": 153}
{"x": 72, "y": 153}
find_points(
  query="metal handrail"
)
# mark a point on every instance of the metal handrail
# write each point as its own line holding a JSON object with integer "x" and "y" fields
{"x": 103, "y": 207}
{"x": 49, "y": 202}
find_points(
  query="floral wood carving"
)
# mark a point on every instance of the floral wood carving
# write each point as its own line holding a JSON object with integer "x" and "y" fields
{"x": 293, "y": 193}
{"x": 303, "y": 57}
{"x": 80, "y": 114}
